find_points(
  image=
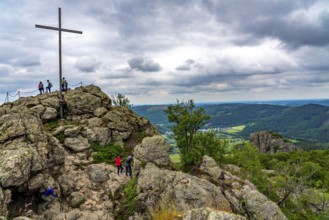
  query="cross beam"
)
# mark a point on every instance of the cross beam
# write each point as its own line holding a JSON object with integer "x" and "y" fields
{"x": 59, "y": 29}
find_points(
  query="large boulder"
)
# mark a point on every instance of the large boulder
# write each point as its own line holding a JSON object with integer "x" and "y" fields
{"x": 85, "y": 100}
{"x": 259, "y": 207}
{"x": 152, "y": 149}
{"x": 98, "y": 173}
{"x": 77, "y": 144}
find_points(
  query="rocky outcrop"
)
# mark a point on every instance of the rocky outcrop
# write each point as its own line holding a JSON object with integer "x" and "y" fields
{"x": 39, "y": 150}
{"x": 242, "y": 195}
{"x": 213, "y": 194}
{"x": 184, "y": 190}
{"x": 270, "y": 142}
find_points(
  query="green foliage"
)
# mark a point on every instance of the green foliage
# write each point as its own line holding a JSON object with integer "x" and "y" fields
{"x": 60, "y": 137}
{"x": 51, "y": 125}
{"x": 205, "y": 143}
{"x": 247, "y": 157}
{"x": 120, "y": 100}
{"x": 130, "y": 190}
{"x": 128, "y": 207}
{"x": 106, "y": 154}
{"x": 188, "y": 120}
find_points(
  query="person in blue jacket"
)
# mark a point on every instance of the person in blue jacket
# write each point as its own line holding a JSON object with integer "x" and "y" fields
{"x": 49, "y": 192}
{"x": 48, "y": 196}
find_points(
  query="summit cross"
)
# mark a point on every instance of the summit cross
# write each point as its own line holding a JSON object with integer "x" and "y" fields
{"x": 59, "y": 29}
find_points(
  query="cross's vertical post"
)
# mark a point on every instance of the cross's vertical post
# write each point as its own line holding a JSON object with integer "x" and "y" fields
{"x": 59, "y": 29}
{"x": 61, "y": 100}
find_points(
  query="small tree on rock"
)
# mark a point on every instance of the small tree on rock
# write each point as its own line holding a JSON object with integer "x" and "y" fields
{"x": 120, "y": 100}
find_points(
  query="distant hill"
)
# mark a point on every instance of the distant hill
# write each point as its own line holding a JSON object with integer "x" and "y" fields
{"x": 308, "y": 122}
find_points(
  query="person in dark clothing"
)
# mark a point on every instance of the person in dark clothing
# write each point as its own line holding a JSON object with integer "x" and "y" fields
{"x": 48, "y": 88}
{"x": 40, "y": 86}
{"x": 118, "y": 164}
{"x": 128, "y": 165}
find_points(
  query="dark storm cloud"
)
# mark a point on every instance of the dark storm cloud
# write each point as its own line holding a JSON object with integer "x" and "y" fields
{"x": 28, "y": 61}
{"x": 87, "y": 64}
{"x": 144, "y": 64}
{"x": 284, "y": 20}
{"x": 186, "y": 66}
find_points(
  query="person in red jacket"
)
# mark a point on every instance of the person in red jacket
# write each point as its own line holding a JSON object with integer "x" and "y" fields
{"x": 118, "y": 164}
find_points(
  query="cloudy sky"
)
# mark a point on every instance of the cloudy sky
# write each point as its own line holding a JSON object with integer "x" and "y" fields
{"x": 162, "y": 50}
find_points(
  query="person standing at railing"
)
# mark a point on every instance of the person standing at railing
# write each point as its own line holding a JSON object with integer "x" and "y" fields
{"x": 41, "y": 89}
{"x": 48, "y": 88}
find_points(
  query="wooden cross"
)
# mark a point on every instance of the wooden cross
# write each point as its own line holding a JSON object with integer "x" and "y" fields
{"x": 59, "y": 29}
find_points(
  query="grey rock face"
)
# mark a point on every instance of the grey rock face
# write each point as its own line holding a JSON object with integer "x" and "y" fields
{"x": 242, "y": 195}
{"x": 85, "y": 100}
{"x": 77, "y": 144}
{"x": 269, "y": 143}
{"x": 185, "y": 191}
{"x": 49, "y": 113}
{"x": 72, "y": 132}
{"x": 261, "y": 208}
{"x": 76, "y": 199}
{"x": 99, "y": 112}
{"x": 210, "y": 214}
{"x": 153, "y": 149}
{"x": 98, "y": 173}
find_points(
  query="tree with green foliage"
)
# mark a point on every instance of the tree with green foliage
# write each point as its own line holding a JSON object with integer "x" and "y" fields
{"x": 188, "y": 120}
{"x": 120, "y": 100}
{"x": 247, "y": 157}
{"x": 210, "y": 144}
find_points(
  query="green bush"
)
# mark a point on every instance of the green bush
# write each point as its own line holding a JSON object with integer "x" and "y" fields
{"x": 106, "y": 154}
{"x": 130, "y": 205}
{"x": 60, "y": 137}
{"x": 51, "y": 125}
{"x": 204, "y": 143}
{"x": 130, "y": 190}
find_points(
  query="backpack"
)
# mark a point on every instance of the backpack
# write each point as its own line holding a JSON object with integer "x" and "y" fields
{"x": 129, "y": 159}
{"x": 50, "y": 85}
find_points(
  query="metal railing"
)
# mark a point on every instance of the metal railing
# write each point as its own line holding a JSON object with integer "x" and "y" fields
{"x": 12, "y": 96}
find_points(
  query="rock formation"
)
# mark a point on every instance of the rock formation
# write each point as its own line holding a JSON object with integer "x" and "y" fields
{"x": 38, "y": 150}
{"x": 269, "y": 142}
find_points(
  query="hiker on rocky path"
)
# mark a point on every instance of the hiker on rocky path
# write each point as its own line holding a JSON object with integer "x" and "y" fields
{"x": 48, "y": 88}
{"x": 40, "y": 87}
{"x": 128, "y": 165}
{"x": 118, "y": 164}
